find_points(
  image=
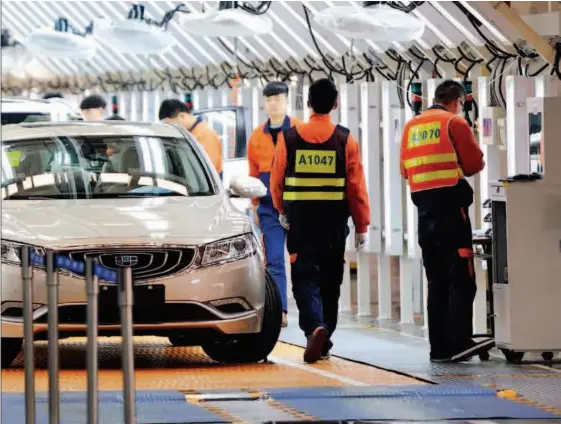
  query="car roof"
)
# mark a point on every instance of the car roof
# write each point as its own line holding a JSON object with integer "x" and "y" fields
{"x": 35, "y": 130}
{"x": 17, "y": 105}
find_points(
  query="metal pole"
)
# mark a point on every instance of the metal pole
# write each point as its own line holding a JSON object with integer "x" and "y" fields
{"x": 125, "y": 304}
{"x": 28, "y": 354}
{"x": 92, "y": 290}
{"x": 52, "y": 300}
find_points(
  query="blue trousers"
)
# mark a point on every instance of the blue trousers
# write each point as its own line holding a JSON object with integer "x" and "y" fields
{"x": 316, "y": 285}
{"x": 274, "y": 237}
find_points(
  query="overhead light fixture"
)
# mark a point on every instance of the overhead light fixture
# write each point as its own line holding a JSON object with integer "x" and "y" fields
{"x": 377, "y": 23}
{"x": 62, "y": 41}
{"x": 136, "y": 34}
{"x": 15, "y": 57}
{"x": 226, "y": 23}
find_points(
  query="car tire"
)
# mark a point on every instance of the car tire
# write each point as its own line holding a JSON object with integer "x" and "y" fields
{"x": 248, "y": 348}
{"x": 10, "y": 350}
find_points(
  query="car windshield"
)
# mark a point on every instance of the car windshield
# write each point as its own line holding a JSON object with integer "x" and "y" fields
{"x": 102, "y": 167}
{"x": 20, "y": 117}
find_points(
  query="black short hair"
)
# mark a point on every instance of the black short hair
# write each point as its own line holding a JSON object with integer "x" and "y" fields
{"x": 322, "y": 96}
{"x": 275, "y": 88}
{"x": 448, "y": 92}
{"x": 94, "y": 101}
{"x": 170, "y": 108}
{"x": 53, "y": 95}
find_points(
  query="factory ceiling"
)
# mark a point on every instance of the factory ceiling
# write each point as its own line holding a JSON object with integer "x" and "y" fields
{"x": 458, "y": 35}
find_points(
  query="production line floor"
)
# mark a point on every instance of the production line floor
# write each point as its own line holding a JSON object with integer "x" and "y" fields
{"x": 385, "y": 377}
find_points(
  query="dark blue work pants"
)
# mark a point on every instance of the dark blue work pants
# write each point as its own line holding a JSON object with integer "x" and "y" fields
{"x": 316, "y": 285}
{"x": 274, "y": 238}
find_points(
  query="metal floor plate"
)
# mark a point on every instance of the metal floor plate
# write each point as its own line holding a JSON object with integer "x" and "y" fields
{"x": 408, "y": 354}
{"x": 418, "y": 403}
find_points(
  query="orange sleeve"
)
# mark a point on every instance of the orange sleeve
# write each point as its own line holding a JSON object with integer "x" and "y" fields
{"x": 357, "y": 192}
{"x": 469, "y": 154}
{"x": 277, "y": 174}
{"x": 252, "y": 161}
{"x": 404, "y": 137}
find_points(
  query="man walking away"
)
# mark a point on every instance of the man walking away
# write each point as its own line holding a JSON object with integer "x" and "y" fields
{"x": 317, "y": 182}
{"x": 438, "y": 150}
{"x": 173, "y": 111}
{"x": 260, "y": 154}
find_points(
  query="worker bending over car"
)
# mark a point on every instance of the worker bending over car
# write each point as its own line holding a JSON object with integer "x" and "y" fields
{"x": 317, "y": 182}
{"x": 173, "y": 111}
{"x": 260, "y": 154}
{"x": 438, "y": 152}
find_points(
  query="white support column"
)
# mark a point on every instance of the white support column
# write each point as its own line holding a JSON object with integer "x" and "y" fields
{"x": 348, "y": 101}
{"x": 255, "y": 98}
{"x": 408, "y": 279}
{"x": 306, "y": 112}
{"x": 384, "y": 287}
{"x": 155, "y": 105}
{"x": 370, "y": 98}
{"x": 146, "y": 99}
{"x": 349, "y": 106}
{"x": 518, "y": 89}
{"x": 134, "y": 103}
{"x": 196, "y": 99}
{"x": 547, "y": 86}
{"x": 393, "y": 205}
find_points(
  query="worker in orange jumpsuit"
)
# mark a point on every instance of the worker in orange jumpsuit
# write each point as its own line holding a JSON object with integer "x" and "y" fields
{"x": 438, "y": 150}
{"x": 173, "y": 111}
{"x": 317, "y": 183}
{"x": 260, "y": 153}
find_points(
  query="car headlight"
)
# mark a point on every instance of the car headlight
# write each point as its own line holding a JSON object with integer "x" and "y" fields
{"x": 228, "y": 250}
{"x": 11, "y": 253}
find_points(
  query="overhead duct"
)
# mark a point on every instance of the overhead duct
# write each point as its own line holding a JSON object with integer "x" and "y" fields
{"x": 230, "y": 20}
{"x": 62, "y": 41}
{"x": 15, "y": 57}
{"x": 136, "y": 34}
{"x": 377, "y": 22}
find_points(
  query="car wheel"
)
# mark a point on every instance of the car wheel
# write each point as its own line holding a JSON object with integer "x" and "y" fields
{"x": 10, "y": 350}
{"x": 252, "y": 347}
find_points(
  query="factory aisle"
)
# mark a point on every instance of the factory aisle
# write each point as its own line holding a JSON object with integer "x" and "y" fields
{"x": 385, "y": 376}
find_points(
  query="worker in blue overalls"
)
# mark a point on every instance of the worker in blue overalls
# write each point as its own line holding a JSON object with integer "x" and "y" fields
{"x": 260, "y": 153}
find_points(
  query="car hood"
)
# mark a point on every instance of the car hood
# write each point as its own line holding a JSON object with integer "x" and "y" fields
{"x": 149, "y": 220}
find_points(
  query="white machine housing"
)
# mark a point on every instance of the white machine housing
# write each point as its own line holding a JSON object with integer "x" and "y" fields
{"x": 527, "y": 246}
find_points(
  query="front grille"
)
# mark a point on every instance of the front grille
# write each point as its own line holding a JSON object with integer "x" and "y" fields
{"x": 147, "y": 263}
{"x": 170, "y": 312}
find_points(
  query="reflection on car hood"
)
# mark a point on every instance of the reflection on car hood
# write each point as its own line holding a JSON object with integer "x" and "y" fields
{"x": 149, "y": 220}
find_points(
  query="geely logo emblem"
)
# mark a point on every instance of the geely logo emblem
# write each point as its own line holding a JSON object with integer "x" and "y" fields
{"x": 126, "y": 260}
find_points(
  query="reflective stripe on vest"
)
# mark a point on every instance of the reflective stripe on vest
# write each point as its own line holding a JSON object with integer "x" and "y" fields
{"x": 315, "y": 172}
{"x": 428, "y": 155}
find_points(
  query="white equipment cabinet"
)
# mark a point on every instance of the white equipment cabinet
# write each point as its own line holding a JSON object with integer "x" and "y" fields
{"x": 527, "y": 243}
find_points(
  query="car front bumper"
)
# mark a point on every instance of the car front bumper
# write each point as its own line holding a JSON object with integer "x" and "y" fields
{"x": 227, "y": 299}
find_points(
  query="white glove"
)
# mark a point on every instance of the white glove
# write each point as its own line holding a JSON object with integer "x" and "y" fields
{"x": 361, "y": 241}
{"x": 284, "y": 222}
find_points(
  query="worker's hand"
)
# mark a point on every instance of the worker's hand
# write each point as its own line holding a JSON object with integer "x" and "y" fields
{"x": 255, "y": 215}
{"x": 284, "y": 222}
{"x": 361, "y": 241}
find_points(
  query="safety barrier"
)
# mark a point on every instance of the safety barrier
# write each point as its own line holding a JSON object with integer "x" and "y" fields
{"x": 93, "y": 273}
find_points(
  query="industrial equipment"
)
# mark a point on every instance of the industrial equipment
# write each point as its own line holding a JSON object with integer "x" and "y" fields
{"x": 526, "y": 246}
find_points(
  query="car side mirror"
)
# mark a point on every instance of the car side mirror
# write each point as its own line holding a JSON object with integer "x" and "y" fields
{"x": 247, "y": 187}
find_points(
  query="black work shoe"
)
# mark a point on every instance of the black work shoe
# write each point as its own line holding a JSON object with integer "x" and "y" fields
{"x": 315, "y": 345}
{"x": 325, "y": 350}
{"x": 475, "y": 348}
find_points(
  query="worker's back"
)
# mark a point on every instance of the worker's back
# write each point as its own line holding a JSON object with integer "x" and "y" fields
{"x": 210, "y": 141}
{"x": 437, "y": 152}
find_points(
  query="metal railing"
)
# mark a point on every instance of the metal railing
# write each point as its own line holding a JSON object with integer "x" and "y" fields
{"x": 92, "y": 271}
